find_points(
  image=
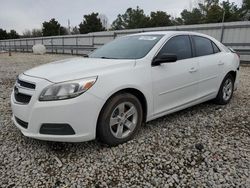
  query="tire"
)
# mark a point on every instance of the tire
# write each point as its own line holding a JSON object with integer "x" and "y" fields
{"x": 226, "y": 90}
{"x": 119, "y": 120}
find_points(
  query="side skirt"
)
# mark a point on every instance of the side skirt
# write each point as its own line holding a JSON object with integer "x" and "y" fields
{"x": 183, "y": 106}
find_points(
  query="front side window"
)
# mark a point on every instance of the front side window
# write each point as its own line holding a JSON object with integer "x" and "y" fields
{"x": 129, "y": 47}
{"x": 178, "y": 45}
{"x": 203, "y": 46}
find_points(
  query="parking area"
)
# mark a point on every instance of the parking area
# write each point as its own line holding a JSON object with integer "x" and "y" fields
{"x": 203, "y": 146}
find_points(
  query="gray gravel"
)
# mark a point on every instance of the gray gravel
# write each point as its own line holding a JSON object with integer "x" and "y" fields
{"x": 203, "y": 146}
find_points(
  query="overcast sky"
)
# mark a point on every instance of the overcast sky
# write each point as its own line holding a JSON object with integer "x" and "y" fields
{"x": 29, "y": 14}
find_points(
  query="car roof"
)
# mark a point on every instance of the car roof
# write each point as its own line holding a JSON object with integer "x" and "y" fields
{"x": 170, "y": 33}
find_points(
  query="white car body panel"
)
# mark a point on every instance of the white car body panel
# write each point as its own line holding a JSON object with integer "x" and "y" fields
{"x": 167, "y": 88}
{"x": 171, "y": 90}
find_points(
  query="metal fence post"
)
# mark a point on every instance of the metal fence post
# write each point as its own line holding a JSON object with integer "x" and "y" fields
{"x": 63, "y": 44}
{"x": 27, "y": 48}
{"x": 52, "y": 47}
{"x": 222, "y": 33}
{"x": 15, "y": 45}
{"x": 76, "y": 45}
{"x": 93, "y": 40}
{"x": 21, "y": 45}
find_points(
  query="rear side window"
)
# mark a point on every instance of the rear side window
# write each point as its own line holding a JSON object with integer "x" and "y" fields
{"x": 216, "y": 49}
{"x": 180, "y": 46}
{"x": 203, "y": 46}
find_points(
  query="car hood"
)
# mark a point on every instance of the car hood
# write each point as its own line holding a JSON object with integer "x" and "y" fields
{"x": 77, "y": 68}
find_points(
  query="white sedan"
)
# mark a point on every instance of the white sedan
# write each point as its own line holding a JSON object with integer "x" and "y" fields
{"x": 131, "y": 80}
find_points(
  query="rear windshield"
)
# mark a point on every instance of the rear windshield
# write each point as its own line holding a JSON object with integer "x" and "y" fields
{"x": 129, "y": 47}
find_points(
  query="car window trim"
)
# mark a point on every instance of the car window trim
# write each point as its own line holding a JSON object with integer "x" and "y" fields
{"x": 213, "y": 44}
{"x": 195, "y": 54}
{"x": 165, "y": 42}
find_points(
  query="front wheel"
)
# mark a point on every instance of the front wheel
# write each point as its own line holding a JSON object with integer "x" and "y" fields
{"x": 226, "y": 90}
{"x": 120, "y": 119}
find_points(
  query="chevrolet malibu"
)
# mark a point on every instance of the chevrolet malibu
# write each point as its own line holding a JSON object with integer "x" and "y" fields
{"x": 131, "y": 80}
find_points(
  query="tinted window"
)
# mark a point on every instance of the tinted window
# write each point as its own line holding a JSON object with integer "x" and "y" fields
{"x": 129, "y": 47}
{"x": 180, "y": 46}
{"x": 216, "y": 49}
{"x": 203, "y": 46}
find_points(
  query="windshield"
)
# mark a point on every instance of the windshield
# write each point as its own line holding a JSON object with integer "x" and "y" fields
{"x": 129, "y": 47}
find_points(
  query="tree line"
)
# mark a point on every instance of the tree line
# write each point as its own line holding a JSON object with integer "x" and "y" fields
{"x": 210, "y": 11}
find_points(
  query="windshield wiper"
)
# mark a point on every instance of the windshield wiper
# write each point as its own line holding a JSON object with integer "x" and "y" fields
{"x": 103, "y": 57}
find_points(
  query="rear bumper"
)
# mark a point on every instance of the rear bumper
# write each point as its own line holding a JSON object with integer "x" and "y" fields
{"x": 237, "y": 80}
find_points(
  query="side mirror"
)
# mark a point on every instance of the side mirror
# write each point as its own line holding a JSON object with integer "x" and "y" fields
{"x": 164, "y": 58}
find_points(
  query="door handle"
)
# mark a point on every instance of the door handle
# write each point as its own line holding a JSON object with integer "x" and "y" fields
{"x": 193, "y": 69}
{"x": 221, "y": 63}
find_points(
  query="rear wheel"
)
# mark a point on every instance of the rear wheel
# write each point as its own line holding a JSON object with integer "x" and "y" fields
{"x": 226, "y": 90}
{"x": 120, "y": 119}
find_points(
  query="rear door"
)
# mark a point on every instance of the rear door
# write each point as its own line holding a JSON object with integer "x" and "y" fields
{"x": 210, "y": 65}
{"x": 175, "y": 84}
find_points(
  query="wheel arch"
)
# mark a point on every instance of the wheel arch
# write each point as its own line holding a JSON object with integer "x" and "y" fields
{"x": 233, "y": 73}
{"x": 137, "y": 93}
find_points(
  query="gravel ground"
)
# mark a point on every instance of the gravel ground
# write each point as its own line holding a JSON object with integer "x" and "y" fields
{"x": 203, "y": 146}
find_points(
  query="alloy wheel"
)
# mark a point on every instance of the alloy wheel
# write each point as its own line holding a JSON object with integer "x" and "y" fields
{"x": 123, "y": 120}
{"x": 227, "y": 89}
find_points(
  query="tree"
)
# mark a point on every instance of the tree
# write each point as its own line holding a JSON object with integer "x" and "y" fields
{"x": 214, "y": 11}
{"x": 131, "y": 19}
{"x": 245, "y": 10}
{"x": 37, "y": 33}
{"x": 63, "y": 31}
{"x": 75, "y": 31}
{"x": 51, "y": 28}
{"x": 246, "y": 5}
{"x": 232, "y": 12}
{"x": 214, "y": 14}
{"x": 13, "y": 34}
{"x": 118, "y": 24}
{"x": 32, "y": 33}
{"x": 192, "y": 17}
{"x": 3, "y": 34}
{"x": 91, "y": 23}
{"x": 211, "y": 11}
{"x": 177, "y": 21}
{"x": 160, "y": 19}
{"x": 27, "y": 33}
{"x": 104, "y": 20}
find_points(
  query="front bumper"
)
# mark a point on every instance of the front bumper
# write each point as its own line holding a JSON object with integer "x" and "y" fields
{"x": 81, "y": 113}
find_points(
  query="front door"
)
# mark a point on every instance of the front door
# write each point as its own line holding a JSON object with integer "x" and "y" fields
{"x": 175, "y": 84}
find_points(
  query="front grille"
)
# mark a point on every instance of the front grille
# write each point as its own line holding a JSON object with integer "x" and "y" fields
{"x": 22, "y": 123}
{"x": 26, "y": 84}
{"x": 20, "y": 97}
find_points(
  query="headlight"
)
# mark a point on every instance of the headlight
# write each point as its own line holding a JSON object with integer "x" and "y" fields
{"x": 67, "y": 90}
